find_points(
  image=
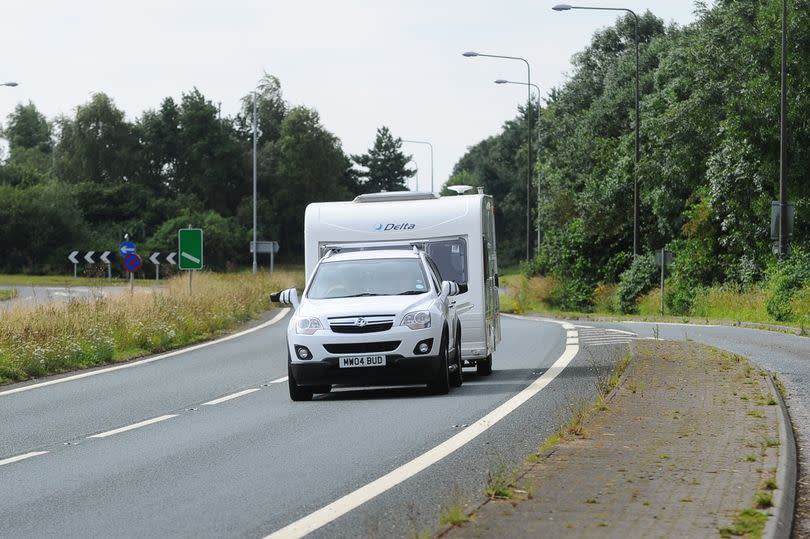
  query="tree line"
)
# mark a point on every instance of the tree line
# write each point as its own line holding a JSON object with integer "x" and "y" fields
{"x": 82, "y": 181}
{"x": 709, "y": 165}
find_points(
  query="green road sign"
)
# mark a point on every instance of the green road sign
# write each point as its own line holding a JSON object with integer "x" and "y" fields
{"x": 190, "y": 248}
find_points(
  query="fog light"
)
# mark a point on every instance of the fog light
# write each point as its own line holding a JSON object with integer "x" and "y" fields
{"x": 303, "y": 352}
{"x": 423, "y": 347}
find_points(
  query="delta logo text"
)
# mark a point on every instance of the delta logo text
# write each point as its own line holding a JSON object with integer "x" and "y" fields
{"x": 380, "y": 227}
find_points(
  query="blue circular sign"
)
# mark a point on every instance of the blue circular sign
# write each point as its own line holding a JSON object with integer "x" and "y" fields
{"x": 132, "y": 262}
{"x": 127, "y": 248}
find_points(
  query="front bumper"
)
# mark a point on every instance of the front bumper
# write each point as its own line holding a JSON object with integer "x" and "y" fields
{"x": 398, "y": 370}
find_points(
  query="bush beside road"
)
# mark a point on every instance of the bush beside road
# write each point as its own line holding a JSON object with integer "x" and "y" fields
{"x": 54, "y": 338}
{"x": 523, "y": 295}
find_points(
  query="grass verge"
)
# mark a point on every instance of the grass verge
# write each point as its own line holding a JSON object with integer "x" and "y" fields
{"x": 8, "y": 293}
{"x": 54, "y": 338}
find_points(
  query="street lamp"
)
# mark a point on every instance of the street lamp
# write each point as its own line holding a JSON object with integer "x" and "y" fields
{"x": 502, "y": 81}
{"x": 471, "y": 54}
{"x": 567, "y": 7}
{"x": 431, "y": 157}
{"x": 9, "y": 84}
{"x": 255, "y": 246}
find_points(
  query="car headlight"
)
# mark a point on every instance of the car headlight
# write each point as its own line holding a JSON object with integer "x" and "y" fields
{"x": 307, "y": 325}
{"x": 416, "y": 320}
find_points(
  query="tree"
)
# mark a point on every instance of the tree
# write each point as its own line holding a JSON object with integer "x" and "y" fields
{"x": 384, "y": 164}
{"x": 98, "y": 144}
{"x": 311, "y": 168}
{"x": 28, "y": 128}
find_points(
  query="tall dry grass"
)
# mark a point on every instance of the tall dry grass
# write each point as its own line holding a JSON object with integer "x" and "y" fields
{"x": 53, "y": 338}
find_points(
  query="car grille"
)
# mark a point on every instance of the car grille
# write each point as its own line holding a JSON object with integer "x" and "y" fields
{"x": 362, "y": 324}
{"x": 362, "y": 347}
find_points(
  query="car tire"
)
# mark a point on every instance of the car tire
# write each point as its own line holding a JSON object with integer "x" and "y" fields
{"x": 457, "y": 378}
{"x": 484, "y": 366}
{"x": 322, "y": 389}
{"x": 441, "y": 383}
{"x": 297, "y": 393}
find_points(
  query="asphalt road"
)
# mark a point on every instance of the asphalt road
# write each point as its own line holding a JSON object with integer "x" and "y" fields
{"x": 40, "y": 295}
{"x": 206, "y": 465}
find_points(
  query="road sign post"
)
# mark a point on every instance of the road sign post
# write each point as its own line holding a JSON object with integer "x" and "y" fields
{"x": 106, "y": 260}
{"x": 265, "y": 247}
{"x": 132, "y": 263}
{"x": 72, "y": 258}
{"x": 663, "y": 258}
{"x": 190, "y": 251}
{"x": 155, "y": 260}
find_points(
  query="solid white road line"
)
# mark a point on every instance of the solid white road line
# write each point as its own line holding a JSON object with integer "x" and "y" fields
{"x": 229, "y": 397}
{"x": 270, "y": 322}
{"x": 280, "y": 380}
{"x": 134, "y": 426}
{"x": 21, "y": 457}
{"x": 340, "y": 507}
{"x": 621, "y": 331}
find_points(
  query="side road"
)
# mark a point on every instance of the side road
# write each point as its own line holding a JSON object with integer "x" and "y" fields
{"x": 689, "y": 445}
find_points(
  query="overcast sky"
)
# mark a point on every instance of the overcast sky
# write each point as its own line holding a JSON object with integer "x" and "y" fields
{"x": 360, "y": 63}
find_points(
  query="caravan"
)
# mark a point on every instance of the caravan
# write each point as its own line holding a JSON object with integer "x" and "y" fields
{"x": 456, "y": 232}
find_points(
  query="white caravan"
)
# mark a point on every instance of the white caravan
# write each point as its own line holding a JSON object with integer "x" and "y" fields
{"x": 456, "y": 232}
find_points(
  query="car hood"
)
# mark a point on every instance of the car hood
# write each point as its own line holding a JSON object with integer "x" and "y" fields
{"x": 364, "y": 306}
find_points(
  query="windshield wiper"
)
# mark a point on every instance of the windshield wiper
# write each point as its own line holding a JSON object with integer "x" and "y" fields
{"x": 411, "y": 292}
{"x": 360, "y": 295}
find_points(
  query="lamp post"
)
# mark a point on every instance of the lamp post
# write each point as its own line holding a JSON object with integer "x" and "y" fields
{"x": 567, "y": 7}
{"x": 255, "y": 246}
{"x": 471, "y": 54}
{"x": 431, "y": 157}
{"x": 502, "y": 81}
{"x": 783, "y": 193}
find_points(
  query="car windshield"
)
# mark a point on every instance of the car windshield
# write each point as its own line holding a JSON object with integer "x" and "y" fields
{"x": 377, "y": 277}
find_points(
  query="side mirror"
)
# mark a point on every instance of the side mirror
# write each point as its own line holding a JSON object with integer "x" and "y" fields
{"x": 286, "y": 297}
{"x": 449, "y": 288}
{"x": 463, "y": 288}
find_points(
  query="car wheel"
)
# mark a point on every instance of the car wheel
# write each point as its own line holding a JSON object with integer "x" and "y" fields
{"x": 322, "y": 389}
{"x": 297, "y": 393}
{"x": 484, "y": 366}
{"x": 457, "y": 378}
{"x": 441, "y": 384}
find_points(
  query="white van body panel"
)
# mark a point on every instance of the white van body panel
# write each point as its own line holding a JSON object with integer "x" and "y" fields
{"x": 443, "y": 226}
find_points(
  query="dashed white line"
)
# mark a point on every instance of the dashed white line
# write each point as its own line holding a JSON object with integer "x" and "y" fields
{"x": 340, "y": 507}
{"x": 22, "y": 457}
{"x": 270, "y": 322}
{"x": 280, "y": 380}
{"x": 231, "y": 396}
{"x": 133, "y": 426}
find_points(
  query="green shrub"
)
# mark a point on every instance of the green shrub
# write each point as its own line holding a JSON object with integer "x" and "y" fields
{"x": 572, "y": 295}
{"x": 635, "y": 281}
{"x": 787, "y": 277}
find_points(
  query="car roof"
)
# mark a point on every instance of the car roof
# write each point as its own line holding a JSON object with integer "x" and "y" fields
{"x": 374, "y": 254}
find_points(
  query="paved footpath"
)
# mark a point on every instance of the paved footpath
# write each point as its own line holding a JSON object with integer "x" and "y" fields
{"x": 689, "y": 439}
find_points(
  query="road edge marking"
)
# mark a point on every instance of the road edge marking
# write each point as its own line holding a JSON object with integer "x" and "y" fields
{"x": 280, "y": 315}
{"x": 232, "y": 396}
{"x": 133, "y": 426}
{"x": 358, "y": 497}
{"x": 24, "y": 456}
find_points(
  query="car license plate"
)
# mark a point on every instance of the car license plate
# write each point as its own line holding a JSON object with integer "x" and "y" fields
{"x": 348, "y": 362}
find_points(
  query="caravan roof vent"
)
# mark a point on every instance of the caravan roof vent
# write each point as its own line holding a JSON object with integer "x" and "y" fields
{"x": 395, "y": 196}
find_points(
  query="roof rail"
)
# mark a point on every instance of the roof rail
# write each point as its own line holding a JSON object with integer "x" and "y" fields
{"x": 395, "y": 196}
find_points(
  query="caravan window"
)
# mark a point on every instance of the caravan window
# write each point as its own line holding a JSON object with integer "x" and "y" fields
{"x": 451, "y": 258}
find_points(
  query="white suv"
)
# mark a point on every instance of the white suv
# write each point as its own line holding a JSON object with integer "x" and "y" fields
{"x": 380, "y": 317}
